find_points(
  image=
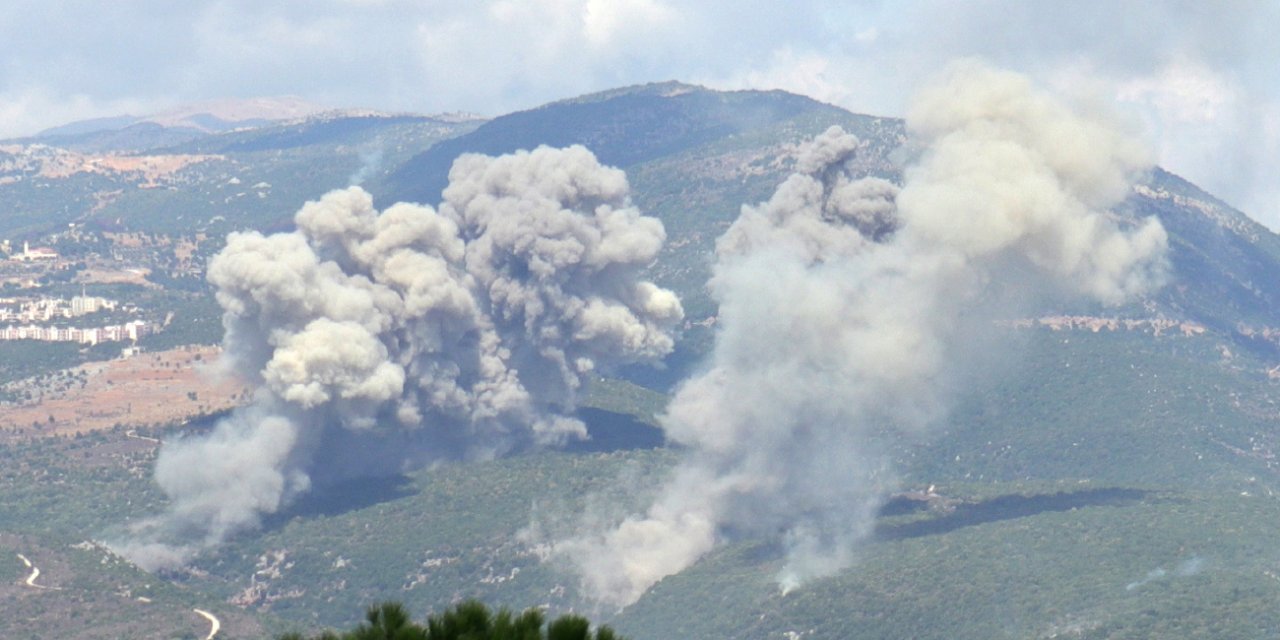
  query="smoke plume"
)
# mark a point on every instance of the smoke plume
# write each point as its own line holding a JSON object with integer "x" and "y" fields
{"x": 378, "y": 341}
{"x": 370, "y": 164}
{"x": 845, "y": 306}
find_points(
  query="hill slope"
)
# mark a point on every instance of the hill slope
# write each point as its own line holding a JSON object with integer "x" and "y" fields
{"x": 1115, "y": 476}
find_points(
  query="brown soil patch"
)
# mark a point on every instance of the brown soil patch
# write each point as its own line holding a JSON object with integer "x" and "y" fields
{"x": 149, "y": 169}
{"x": 115, "y": 276}
{"x": 144, "y": 390}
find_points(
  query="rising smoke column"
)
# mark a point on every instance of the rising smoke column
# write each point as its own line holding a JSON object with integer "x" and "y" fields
{"x": 377, "y": 341}
{"x": 844, "y": 305}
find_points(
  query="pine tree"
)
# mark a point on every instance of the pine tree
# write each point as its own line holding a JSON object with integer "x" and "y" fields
{"x": 469, "y": 620}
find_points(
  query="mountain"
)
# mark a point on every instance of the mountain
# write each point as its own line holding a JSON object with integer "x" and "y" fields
{"x": 213, "y": 117}
{"x": 694, "y": 156}
{"x": 196, "y": 182}
{"x": 1114, "y": 476}
{"x": 624, "y": 128}
{"x": 194, "y": 122}
{"x": 92, "y": 125}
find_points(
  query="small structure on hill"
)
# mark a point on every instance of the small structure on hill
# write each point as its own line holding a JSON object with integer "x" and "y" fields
{"x": 37, "y": 254}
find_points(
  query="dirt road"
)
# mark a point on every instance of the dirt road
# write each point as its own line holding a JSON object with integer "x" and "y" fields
{"x": 35, "y": 573}
{"x": 214, "y": 625}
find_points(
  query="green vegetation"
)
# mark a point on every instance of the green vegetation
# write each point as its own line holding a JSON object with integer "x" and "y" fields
{"x": 1121, "y": 407}
{"x": 470, "y": 620}
{"x": 1046, "y": 560}
{"x": 24, "y": 358}
{"x": 197, "y": 319}
{"x": 71, "y": 488}
{"x": 620, "y": 396}
{"x": 428, "y": 539}
{"x": 45, "y": 361}
{"x": 1090, "y": 554}
{"x": 36, "y": 205}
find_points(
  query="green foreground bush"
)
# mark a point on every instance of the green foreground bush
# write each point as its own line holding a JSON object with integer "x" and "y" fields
{"x": 470, "y": 620}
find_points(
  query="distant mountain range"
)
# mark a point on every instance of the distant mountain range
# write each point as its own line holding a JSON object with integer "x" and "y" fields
{"x": 206, "y": 117}
{"x": 129, "y": 133}
{"x": 694, "y": 156}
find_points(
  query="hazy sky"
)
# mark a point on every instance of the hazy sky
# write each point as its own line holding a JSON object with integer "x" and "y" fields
{"x": 1200, "y": 79}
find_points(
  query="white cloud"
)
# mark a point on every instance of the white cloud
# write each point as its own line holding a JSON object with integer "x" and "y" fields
{"x": 1212, "y": 129}
{"x": 607, "y": 21}
{"x": 1182, "y": 92}
{"x": 1199, "y": 81}
{"x": 26, "y": 111}
{"x": 1201, "y": 74}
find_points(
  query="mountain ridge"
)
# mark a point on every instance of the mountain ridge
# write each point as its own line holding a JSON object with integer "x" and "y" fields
{"x": 209, "y": 116}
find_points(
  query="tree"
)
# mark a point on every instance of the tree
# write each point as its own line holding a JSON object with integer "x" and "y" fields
{"x": 470, "y": 620}
{"x": 389, "y": 621}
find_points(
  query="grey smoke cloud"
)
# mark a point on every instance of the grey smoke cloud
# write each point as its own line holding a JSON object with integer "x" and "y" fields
{"x": 841, "y": 319}
{"x": 458, "y": 333}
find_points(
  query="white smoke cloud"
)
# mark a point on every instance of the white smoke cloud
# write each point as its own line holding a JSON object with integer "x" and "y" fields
{"x": 423, "y": 334}
{"x": 844, "y": 308}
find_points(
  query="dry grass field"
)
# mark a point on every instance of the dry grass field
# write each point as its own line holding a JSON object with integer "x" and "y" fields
{"x": 138, "y": 391}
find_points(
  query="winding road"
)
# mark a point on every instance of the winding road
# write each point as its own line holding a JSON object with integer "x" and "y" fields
{"x": 133, "y": 433}
{"x": 35, "y": 573}
{"x": 214, "y": 625}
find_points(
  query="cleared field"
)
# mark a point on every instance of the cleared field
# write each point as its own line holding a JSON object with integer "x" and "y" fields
{"x": 143, "y": 390}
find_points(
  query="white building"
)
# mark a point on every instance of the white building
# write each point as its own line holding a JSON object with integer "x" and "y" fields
{"x": 94, "y": 335}
{"x": 83, "y": 305}
{"x": 39, "y": 253}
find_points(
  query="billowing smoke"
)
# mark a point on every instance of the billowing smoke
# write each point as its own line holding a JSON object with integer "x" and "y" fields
{"x": 847, "y": 304}
{"x": 378, "y": 341}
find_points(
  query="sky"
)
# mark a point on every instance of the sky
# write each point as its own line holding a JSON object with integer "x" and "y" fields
{"x": 1199, "y": 81}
